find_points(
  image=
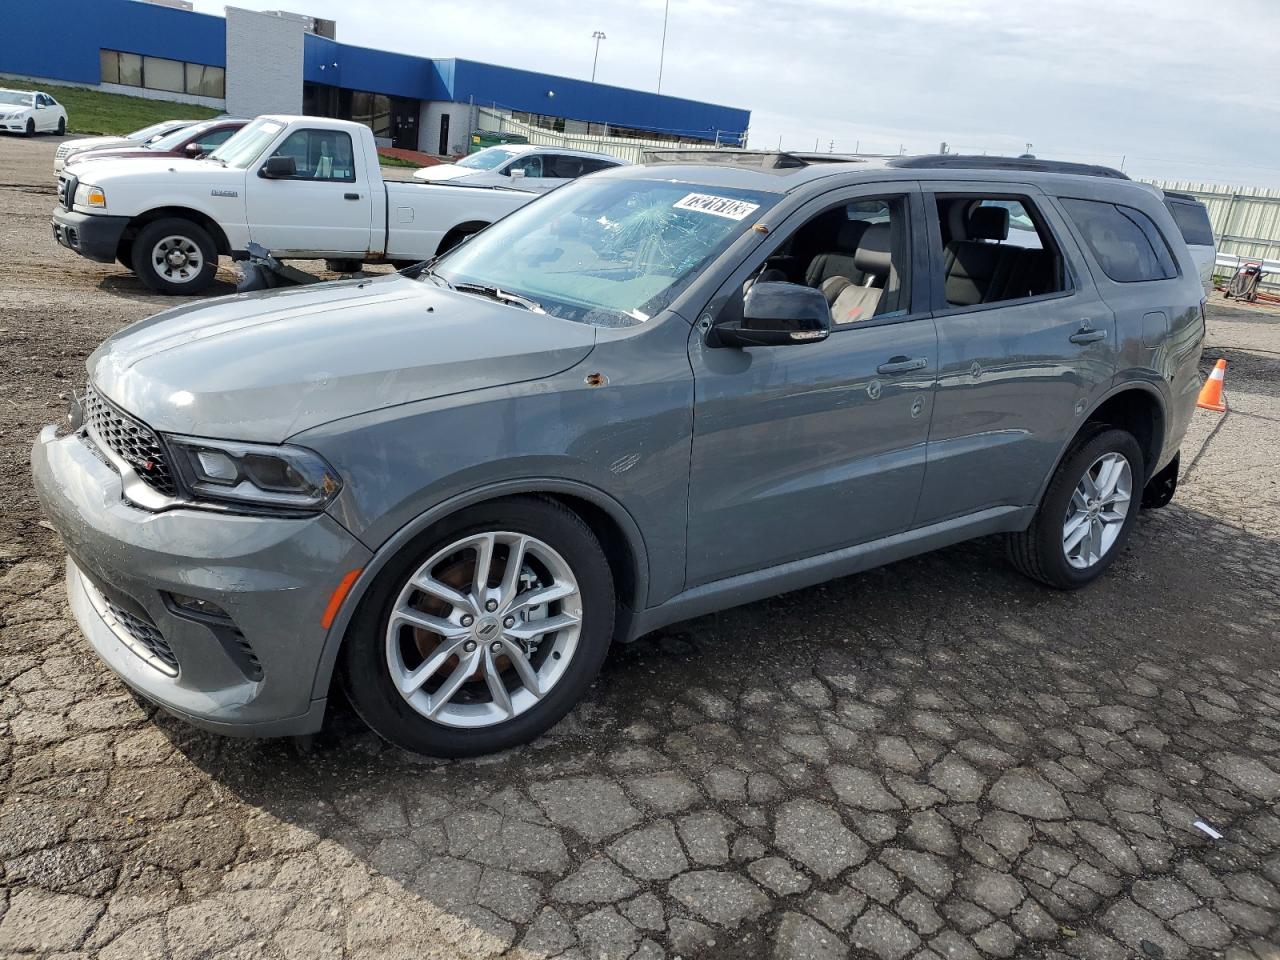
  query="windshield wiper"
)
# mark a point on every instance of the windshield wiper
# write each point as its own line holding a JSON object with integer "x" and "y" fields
{"x": 502, "y": 296}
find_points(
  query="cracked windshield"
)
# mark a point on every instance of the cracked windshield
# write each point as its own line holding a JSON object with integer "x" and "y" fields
{"x": 611, "y": 252}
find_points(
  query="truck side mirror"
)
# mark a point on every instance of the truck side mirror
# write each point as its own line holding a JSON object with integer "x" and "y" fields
{"x": 279, "y": 168}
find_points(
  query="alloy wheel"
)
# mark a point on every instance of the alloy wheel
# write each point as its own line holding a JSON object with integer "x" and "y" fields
{"x": 1097, "y": 510}
{"x": 484, "y": 630}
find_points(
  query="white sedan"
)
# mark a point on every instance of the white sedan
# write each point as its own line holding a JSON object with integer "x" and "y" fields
{"x": 530, "y": 167}
{"x": 31, "y": 112}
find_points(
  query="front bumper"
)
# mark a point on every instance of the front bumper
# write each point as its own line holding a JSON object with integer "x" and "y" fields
{"x": 94, "y": 236}
{"x": 273, "y": 576}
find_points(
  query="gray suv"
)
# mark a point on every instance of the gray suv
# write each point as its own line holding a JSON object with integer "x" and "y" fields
{"x": 656, "y": 392}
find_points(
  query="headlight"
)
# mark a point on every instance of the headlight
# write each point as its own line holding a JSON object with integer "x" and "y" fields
{"x": 261, "y": 475}
{"x": 88, "y": 195}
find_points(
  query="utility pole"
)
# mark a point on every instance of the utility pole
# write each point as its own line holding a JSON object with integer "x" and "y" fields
{"x": 662, "y": 52}
{"x": 597, "y": 37}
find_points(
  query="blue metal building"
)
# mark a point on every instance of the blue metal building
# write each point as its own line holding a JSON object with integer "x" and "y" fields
{"x": 254, "y": 62}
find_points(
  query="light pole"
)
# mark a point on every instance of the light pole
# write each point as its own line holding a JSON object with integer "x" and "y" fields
{"x": 597, "y": 37}
{"x": 662, "y": 53}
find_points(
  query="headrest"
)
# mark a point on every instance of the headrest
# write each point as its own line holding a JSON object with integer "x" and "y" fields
{"x": 849, "y": 234}
{"x": 989, "y": 223}
{"x": 873, "y": 254}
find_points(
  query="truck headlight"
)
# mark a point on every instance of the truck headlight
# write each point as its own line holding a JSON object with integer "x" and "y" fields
{"x": 255, "y": 474}
{"x": 88, "y": 195}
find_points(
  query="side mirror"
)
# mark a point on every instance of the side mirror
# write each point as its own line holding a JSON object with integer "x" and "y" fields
{"x": 518, "y": 173}
{"x": 193, "y": 150}
{"x": 279, "y": 168}
{"x": 776, "y": 314}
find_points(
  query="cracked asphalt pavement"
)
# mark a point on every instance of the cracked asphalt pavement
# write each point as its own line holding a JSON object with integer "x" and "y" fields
{"x": 935, "y": 759}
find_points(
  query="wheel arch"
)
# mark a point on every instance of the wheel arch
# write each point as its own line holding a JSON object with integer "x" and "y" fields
{"x": 181, "y": 213}
{"x": 619, "y": 535}
{"x": 454, "y": 235}
{"x": 1135, "y": 406}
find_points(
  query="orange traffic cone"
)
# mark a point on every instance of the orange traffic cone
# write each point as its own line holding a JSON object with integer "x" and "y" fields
{"x": 1211, "y": 392}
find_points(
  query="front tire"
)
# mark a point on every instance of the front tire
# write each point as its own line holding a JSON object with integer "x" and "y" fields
{"x": 174, "y": 256}
{"x": 31, "y": 128}
{"x": 483, "y": 632}
{"x": 62, "y": 126}
{"x": 1086, "y": 514}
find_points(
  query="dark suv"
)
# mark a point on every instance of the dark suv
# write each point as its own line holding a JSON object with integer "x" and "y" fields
{"x": 656, "y": 392}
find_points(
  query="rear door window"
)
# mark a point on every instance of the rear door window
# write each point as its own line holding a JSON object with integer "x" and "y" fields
{"x": 1193, "y": 220}
{"x": 1124, "y": 241}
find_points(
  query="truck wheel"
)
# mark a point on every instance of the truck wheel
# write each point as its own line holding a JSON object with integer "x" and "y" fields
{"x": 1086, "y": 514}
{"x": 175, "y": 256}
{"x": 344, "y": 266}
{"x": 124, "y": 254}
{"x": 483, "y": 632}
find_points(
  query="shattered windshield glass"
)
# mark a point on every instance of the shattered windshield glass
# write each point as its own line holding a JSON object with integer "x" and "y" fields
{"x": 611, "y": 252}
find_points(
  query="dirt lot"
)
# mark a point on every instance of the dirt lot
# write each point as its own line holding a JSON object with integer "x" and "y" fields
{"x": 934, "y": 759}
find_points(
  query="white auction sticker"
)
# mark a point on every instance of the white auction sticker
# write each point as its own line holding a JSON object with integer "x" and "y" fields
{"x": 725, "y": 207}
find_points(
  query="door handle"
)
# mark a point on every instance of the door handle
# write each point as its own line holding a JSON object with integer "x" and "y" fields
{"x": 902, "y": 365}
{"x": 351, "y": 196}
{"x": 1086, "y": 335}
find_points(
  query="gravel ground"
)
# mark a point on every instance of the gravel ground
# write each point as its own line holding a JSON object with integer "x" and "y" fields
{"x": 934, "y": 759}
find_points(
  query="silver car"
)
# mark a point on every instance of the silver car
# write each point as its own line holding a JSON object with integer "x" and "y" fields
{"x": 655, "y": 393}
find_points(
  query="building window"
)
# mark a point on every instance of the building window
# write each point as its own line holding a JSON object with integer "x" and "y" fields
{"x": 157, "y": 73}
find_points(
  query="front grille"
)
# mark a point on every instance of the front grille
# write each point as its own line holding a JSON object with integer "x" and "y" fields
{"x": 131, "y": 440}
{"x": 151, "y": 644}
{"x": 67, "y": 191}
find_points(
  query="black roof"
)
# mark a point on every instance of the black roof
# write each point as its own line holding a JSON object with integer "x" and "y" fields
{"x": 739, "y": 157}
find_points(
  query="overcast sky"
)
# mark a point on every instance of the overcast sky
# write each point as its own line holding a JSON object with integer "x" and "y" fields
{"x": 1178, "y": 89}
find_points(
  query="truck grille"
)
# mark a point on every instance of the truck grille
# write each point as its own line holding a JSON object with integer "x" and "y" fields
{"x": 130, "y": 440}
{"x": 67, "y": 190}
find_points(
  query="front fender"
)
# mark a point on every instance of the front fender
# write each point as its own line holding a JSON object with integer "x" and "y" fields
{"x": 507, "y": 488}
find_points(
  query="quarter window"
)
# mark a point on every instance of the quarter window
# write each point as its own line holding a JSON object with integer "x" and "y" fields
{"x": 1126, "y": 243}
{"x": 1193, "y": 221}
{"x": 319, "y": 155}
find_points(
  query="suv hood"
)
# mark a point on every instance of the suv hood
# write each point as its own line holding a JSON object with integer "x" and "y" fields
{"x": 265, "y": 366}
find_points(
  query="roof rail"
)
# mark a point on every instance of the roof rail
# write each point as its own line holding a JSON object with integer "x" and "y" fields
{"x": 955, "y": 161}
{"x": 739, "y": 157}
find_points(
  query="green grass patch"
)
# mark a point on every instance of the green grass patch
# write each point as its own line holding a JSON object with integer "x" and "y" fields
{"x": 92, "y": 111}
{"x": 396, "y": 162}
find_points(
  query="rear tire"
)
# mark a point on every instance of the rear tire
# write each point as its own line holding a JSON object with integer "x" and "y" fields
{"x": 175, "y": 257}
{"x": 384, "y": 648}
{"x": 1045, "y": 551}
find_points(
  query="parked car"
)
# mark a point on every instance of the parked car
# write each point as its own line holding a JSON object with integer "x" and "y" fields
{"x": 535, "y": 167}
{"x": 147, "y": 134}
{"x": 192, "y": 141}
{"x": 1192, "y": 218}
{"x": 624, "y": 405}
{"x": 30, "y": 112}
{"x": 302, "y": 187}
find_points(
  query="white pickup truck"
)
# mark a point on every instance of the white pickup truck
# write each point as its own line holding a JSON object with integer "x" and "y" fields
{"x": 303, "y": 187}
